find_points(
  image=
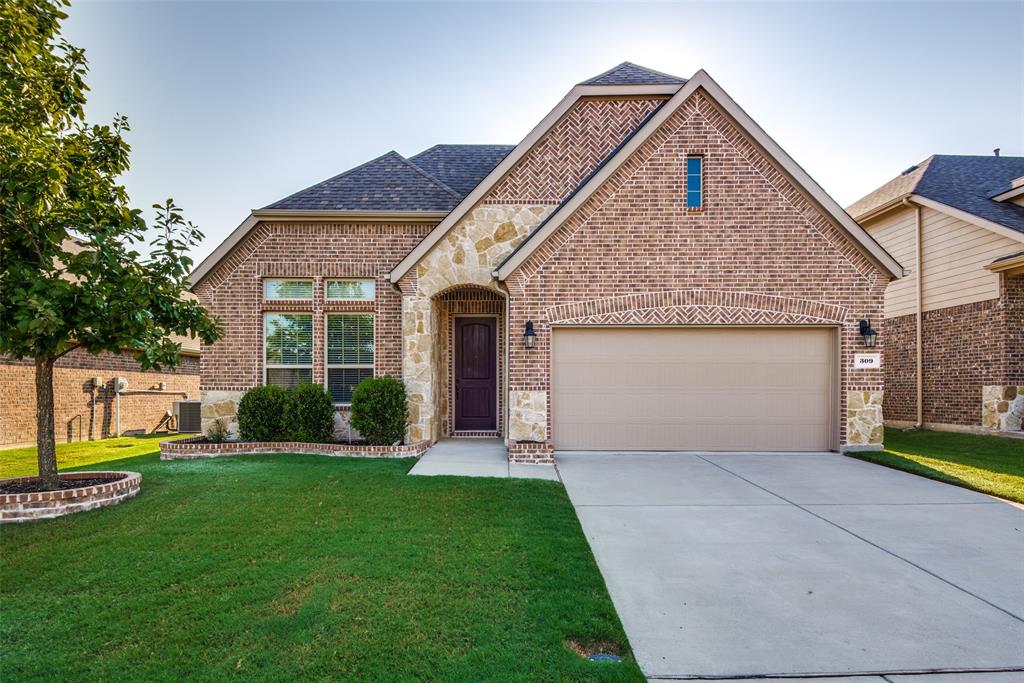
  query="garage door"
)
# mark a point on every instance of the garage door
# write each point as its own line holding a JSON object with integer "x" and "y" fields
{"x": 696, "y": 389}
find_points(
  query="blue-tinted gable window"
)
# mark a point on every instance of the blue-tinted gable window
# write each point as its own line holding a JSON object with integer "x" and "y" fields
{"x": 694, "y": 182}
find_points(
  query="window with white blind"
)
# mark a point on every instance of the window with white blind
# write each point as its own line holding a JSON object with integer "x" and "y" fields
{"x": 279, "y": 288}
{"x": 349, "y": 353}
{"x": 288, "y": 348}
{"x": 351, "y": 290}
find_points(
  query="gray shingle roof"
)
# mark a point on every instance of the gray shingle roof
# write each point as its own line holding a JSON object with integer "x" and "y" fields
{"x": 962, "y": 182}
{"x": 436, "y": 179}
{"x": 461, "y": 167}
{"x": 628, "y": 73}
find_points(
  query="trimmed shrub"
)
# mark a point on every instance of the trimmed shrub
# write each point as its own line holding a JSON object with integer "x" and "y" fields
{"x": 379, "y": 411}
{"x": 261, "y": 414}
{"x": 309, "y": 414}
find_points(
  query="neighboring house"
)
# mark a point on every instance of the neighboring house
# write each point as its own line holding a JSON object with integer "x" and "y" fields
{"x": 646, "y": 270}
{"x": 86, "y": 410}
{"x": 962, "y": 219}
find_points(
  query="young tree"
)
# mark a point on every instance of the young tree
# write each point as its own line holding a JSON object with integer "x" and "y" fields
{"x": 70, "y": 274}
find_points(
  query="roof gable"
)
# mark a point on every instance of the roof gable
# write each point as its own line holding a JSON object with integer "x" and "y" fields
{"x": 628, "y": 73}
{"x": 775, "y": 153}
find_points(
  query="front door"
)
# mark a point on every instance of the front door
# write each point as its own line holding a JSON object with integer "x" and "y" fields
{"x": 476, "y": 374}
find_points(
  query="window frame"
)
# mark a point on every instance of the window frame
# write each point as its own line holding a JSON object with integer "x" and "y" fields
{"x": 327, "y": 286}
{"x": 283, "y": 366}
{"x": 312, "y": 288}
{"x": 700, "y": 191}
{"x": 328, "y": 366}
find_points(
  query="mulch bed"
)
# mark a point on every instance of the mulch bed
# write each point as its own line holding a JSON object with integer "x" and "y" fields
{"x": 35, "y": 487}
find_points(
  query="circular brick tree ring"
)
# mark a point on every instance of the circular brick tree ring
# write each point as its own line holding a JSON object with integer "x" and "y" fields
{"x": 23, "y": 507}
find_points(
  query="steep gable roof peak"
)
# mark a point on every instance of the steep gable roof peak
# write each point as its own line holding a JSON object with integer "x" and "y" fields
{"x": 629, "y": 73}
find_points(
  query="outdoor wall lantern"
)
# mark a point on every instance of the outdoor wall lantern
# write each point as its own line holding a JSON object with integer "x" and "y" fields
{"x": 529, "y": 336}
{"x": 869, "y": 335}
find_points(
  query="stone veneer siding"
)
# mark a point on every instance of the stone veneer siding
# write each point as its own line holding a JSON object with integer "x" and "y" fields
{"x": 966, "y": 349}
{"x": 758, "y": 253}
{"x": 233, "y": 292}
{"x": 143, "y": 406}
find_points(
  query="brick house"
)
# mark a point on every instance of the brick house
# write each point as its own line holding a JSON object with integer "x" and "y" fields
{"x": 646, "y": 270}
{"x": 962, "y": 219}
{"x": 84, "y": 409}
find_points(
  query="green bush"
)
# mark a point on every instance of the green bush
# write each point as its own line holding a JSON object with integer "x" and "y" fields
{"x": 309, "y": 414}
{"x": 217, "y": 432}
{"x": 378, "y": 410}
{"x": 261, "y": 414}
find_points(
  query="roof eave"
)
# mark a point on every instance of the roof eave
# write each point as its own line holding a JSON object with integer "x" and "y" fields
{"x": 701, "y": 79}
{"x": 1012, "y": 193}
{"x": 1013, "y": 264}
{"x": 301, "y": 215}
{"x": 968, "y": 217}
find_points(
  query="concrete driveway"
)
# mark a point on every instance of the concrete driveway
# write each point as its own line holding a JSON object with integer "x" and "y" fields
{"x": 732, "y": 565}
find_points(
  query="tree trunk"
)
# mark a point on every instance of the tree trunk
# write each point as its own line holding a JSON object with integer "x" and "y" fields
{"x": 45, "y": 443}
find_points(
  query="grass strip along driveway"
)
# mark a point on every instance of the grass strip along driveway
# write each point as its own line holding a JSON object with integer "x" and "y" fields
{"x": 990, "y": 464}
{"x": 307, "y": 568}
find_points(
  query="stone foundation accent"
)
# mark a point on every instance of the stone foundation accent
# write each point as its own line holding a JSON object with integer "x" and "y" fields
{"x": 864, "y": 426}
{"x": 221, "y": 404}
{"x": 1002, "y": 408}
{"x": 528, "y": 415}
{"x": 197, "y": 448}
{"x": 24, "y": 507}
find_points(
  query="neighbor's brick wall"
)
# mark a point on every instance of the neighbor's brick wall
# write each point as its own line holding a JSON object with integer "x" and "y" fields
{"x": 233, "y": 292}
{"x": 142, "y": 407}
{"x": 758, "y": 239}
{"x": 965, "y": 348}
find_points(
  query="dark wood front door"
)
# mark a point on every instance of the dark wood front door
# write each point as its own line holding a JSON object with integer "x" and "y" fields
{"x": 476, "y": 374}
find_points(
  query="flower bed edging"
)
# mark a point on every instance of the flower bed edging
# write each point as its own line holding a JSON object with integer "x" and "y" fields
{"x": 196, "y": 447}
{"x": 23, "y": 507}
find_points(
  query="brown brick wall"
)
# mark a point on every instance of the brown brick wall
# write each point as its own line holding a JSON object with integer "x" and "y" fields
{"x": 757, "y": 239}
{"x": 142, "y": 406}
{"x": 573, "y": 147}
{"x": 233, "y": 292}
{"x": 965, "y": 348}
{"x": 1013, "y": 296}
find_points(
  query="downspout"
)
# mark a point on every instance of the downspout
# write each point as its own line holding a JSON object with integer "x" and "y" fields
{"x": 919, "y": 323}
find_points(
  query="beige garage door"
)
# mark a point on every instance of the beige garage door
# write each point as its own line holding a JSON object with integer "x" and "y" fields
{"x": 696, "y": 389}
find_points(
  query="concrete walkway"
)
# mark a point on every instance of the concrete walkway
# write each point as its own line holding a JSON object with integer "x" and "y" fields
{"x": 477, "y": 458}
{"x": 739, "y": 565}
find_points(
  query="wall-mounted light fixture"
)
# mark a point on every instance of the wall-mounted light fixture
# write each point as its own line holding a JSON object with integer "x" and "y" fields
{"x": 867, "y": 334}
{"x": 529, "y": 337}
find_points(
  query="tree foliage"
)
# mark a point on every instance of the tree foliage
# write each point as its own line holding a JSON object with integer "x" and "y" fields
{"x": 74, "y": 271}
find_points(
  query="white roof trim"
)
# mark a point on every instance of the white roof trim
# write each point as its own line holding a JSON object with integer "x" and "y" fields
{"x": 499, "y": 171}
{"x": 748, "y": 125}
{"x": 222, "y": 249}
{"x": 1009, "y": 194}
{"x": 968, "y": 217}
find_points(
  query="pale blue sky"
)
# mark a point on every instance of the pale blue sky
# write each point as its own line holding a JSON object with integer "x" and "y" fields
{"x": 235, "y": 105}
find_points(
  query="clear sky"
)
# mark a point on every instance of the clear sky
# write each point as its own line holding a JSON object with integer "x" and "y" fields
{"x": 235, "y": 105}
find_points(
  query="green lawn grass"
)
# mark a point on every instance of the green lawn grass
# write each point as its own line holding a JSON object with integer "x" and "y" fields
{"x": 19, "y": 462}
{"x": 276, "y": 568}
{"x": 990, "y": 464}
